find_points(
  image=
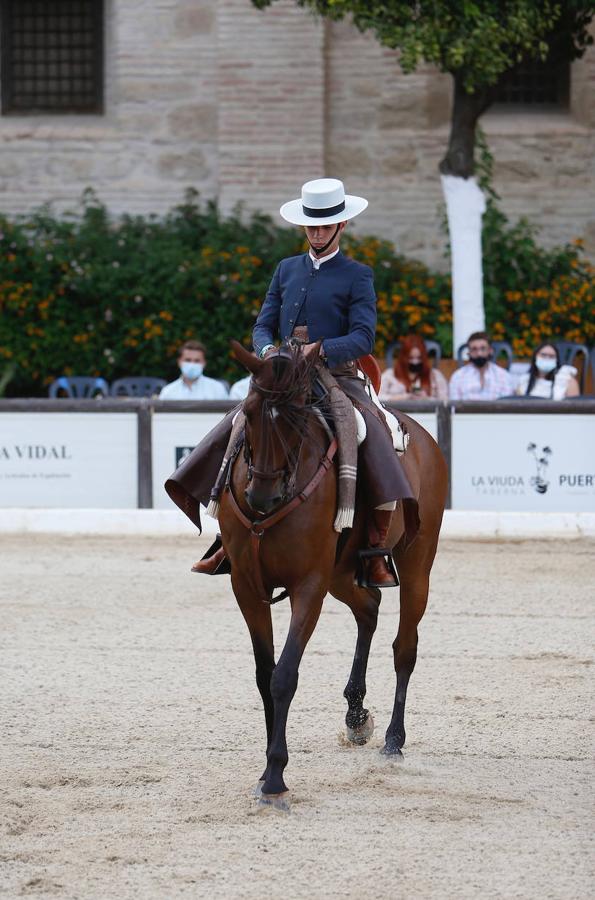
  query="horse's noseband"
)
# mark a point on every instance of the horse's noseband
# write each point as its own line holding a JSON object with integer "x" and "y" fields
{"x": 287, "y": 473}
{"x": 258, "y": 527}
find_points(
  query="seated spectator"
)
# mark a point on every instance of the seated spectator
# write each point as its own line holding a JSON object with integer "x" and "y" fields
{"x": 192, "y": 384}
{"x": 480, "y": 378}
{"x": 239, "y": 390}
{"x": 412, "y": 376}
{"x": 546, "y": 378}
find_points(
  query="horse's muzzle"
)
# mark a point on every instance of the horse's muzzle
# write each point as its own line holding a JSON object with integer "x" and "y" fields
{"x": 262, "y": 503}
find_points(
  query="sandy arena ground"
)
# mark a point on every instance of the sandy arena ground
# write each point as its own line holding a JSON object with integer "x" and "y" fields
{"x": 132, "y": 733}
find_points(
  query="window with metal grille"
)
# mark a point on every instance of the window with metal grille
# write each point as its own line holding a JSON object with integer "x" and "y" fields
{"x": 52, "y": 56}
{"x": 535, "y": 83}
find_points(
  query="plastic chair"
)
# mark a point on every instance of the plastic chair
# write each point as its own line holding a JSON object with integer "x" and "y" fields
{"x": 499, "y": 348}
{"x": 434, "y": 350}
{"x": 79, "y": 387}
{"x": 137, "y": 386}
{"x": 568, "y": 352}
{"x": 433, "y": 347}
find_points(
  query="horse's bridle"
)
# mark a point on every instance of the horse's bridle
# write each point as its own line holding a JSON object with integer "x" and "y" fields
{"x": 257, "y": 527}
{"x": 288, "y": 473}
{"x": 290, "y": 500}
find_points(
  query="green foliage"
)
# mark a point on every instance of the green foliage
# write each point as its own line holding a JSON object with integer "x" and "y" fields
{"x": 84, "y": 295}
{"x": 530, "y": 292}
{"x": 479, "y": 40}
{"x": 90, "y": 296}
{"x": 512, "y": 255}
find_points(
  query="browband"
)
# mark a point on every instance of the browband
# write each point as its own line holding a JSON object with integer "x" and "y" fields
{"x": 322, "y": 213}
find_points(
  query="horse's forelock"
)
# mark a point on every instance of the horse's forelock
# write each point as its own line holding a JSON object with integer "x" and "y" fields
{"x": 287, "y": 377}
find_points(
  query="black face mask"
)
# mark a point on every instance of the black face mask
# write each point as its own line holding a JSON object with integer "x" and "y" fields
{"x": 479, "y": 361}
{"x": 416, "y": 367}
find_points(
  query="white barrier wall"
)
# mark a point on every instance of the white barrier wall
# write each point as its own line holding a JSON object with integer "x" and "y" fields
{"x": 174, "y": 436}
{"x": 70, "y": 459}
{"x": 426, "y": 420}
{"x": 537, "y": 463}
{"x": 89, "y": 457}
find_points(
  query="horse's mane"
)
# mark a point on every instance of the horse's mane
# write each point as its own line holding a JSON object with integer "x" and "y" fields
{"x": 286, "y": 384}
{"x": 288, "y": 377}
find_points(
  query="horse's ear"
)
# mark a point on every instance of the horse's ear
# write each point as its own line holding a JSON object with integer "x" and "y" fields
{"x": 247, "y": 359}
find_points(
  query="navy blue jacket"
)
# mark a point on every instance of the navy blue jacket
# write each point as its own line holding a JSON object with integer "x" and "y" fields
{"x": 338, "y": 300}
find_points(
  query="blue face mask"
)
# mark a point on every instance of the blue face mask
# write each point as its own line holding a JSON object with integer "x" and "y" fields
{"x": 191, "y": 370}
{"x": 546, "y": 364}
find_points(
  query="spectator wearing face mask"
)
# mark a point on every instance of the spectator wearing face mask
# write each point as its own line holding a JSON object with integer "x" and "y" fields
{"x": 480, "y": 378}
{"x": 192, "y": 383}
{"x": 412, "y": 376}
{"x": 547, "y": 378}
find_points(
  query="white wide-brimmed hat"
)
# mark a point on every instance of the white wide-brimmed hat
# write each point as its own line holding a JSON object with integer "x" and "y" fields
{"x": 323, "y": 202}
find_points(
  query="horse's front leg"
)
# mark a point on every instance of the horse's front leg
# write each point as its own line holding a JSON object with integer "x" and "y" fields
{"x": 258, "y": 619}
{"x": 306, "y": 605}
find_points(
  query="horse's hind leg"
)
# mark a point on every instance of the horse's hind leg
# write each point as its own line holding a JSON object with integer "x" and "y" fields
{"x": 413, "y": 564}
{"x": 364, "y": 603}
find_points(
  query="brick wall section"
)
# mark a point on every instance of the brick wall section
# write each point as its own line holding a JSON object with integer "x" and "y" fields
{"x": 246, "y": 105}
{"x": 159, "y": 131}
{"x": 271, "y": 102}
{"x": 387, "y": 133}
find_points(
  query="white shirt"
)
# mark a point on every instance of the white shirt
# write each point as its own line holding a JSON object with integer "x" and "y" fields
{"x": 465, "y": 383}
{"x": 317, "y": 262}
{"x": 239, "y": 390}
{"x": 203, "y": 388}
{"x": 548, "y": 389}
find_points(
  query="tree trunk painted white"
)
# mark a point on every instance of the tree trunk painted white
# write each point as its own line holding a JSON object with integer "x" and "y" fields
{"x": 465, "y": 205}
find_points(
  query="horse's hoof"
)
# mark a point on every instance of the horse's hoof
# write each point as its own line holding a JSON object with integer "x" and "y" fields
{"x": 257, "y": 792}
{"x": 278, "y": 803}
{"x": 392, "y": 752}
{"x": 362, "y": 734}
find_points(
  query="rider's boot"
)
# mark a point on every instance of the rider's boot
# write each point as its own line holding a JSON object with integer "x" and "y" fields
{"x": 209, "y": 565}
{"x": 379, "y": 573}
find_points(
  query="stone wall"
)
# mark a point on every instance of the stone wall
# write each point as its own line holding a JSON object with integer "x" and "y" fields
{"x": 159, "y": 131}
{"x": 271, "y": 102}
{"x": 387, "y": 133}
{"x": 246, "y": 105}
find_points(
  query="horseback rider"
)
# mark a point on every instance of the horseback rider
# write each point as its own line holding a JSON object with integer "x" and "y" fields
{"x": 319, "y": 296}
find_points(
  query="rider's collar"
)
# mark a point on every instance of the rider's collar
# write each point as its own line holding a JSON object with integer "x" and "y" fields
{"x": 318, "y": 262}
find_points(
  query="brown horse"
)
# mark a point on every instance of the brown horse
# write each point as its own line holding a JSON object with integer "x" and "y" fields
{"x": 276, "y": 518}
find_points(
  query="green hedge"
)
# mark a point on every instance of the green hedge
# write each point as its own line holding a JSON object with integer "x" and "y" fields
{"x": 87, "y": 295}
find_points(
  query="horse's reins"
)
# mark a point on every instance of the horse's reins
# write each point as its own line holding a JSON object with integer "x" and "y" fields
{"x": 257, "y": 527}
